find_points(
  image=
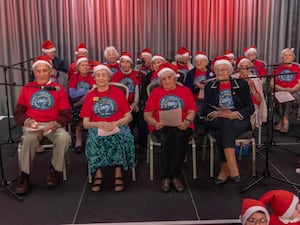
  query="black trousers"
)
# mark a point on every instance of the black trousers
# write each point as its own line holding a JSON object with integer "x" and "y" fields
{"x": 174, "y": 145}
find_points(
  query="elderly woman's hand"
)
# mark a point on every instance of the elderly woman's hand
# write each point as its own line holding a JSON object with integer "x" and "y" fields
{"x": 158, "y": 125}
{"x": 229, "y": 115}
{"x": 184, "y": 125}
{"x": 108, "y": 126}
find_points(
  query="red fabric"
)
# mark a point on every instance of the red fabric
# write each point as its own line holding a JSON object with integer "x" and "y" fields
{"x": 77, "y": 79}
{"x": 115, "y": 98}
{"x": 289, "y": 80}
{"x": 43, "y": 106}
{"x": 158, "y": 94}
{"x": 130, "y": 80}
{"x": 199, "y": 77}
{"x": 72, "y": 69}
{"x": 260, "y": 67}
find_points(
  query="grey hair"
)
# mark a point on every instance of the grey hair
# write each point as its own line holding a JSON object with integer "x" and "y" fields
{"x": 111, "y": 48}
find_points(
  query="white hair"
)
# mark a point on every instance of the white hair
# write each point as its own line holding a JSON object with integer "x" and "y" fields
{"x": 111, "y": 48}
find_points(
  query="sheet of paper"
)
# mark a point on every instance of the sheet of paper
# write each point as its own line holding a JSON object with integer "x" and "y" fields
{"x": 108, "y": 133}
{"x": 171, "y": 117}
{"x": 284, "y": 96}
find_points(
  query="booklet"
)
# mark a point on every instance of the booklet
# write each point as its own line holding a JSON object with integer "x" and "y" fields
{"x": 108, "y": 133}
{"x": 171, "y": 118}
{"x": 284, "y": 96}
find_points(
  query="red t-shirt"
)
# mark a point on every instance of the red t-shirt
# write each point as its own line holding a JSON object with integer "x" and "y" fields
{"x": 130, "y": 80}
{"x": 79, "y": 82}
{"x": 259, "y": 68}
{"x": 154, "y": 77}
{"x": 287, "y": 80}
{"x": 161, "y": 99}
{"x": 72, "y": 69}
{"x": 200, "y": 76}
{"x": 42, "y": 105}
{"x": 110, "y": 105}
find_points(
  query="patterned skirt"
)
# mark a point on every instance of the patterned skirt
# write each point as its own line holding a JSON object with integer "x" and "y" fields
{"x": 114, "y": 150}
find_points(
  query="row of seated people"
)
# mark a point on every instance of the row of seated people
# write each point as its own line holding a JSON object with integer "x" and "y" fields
{"x": 217, "y": 96}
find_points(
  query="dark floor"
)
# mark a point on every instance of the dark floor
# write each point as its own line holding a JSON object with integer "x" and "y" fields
{"x": 72, "y": 202}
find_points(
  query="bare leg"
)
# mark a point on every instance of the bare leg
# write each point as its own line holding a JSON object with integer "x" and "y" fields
{"x": 231, "y": 162}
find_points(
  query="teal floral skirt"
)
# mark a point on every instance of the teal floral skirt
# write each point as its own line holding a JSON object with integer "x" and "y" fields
{"x": 114, "y": 150}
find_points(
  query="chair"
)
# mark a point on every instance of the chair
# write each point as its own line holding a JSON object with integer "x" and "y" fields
{"x": 46, "y": 144}
{"x": 246, "y": 137}
{"x": 125, "y": 89}
{"x": 152, "y": 141}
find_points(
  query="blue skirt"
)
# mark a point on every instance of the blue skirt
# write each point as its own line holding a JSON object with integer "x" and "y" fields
{"x": 114, "y": 150}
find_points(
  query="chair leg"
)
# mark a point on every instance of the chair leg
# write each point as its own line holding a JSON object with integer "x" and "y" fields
{"x": 151, "y": 159}
{"x": 211, "y": 158}
{"x": 194, "y": 157}
{"x": 133, "y": 174}
{"x": 148, "y": 148}
{"x": 253, "y": 157}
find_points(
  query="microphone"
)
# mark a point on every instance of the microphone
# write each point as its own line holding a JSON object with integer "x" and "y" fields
{"x": 49, "y": 88}
{"x": 140, "y": 61}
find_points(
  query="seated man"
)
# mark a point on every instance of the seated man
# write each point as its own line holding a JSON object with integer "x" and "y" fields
{"x": 42, "y": 109}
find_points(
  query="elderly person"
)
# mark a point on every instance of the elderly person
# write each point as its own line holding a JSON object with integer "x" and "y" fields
{"x": 244, "y": 66}
{"x": 42, "y": 113}
{"x": 106, "y": 114}
{"x": 80, "y": 84}
{"x": 171, "y": 98}
{"x": 228, "y": 107}
{"x": 254, "y": 212}
{"x": 111, "y": 56}
{"x": 288, "y": 80}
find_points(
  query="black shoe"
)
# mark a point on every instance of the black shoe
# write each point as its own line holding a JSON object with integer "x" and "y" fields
{"x": 236, "y": 179}
{"x": 22, "y": 186}
{"x": 219, "y": 182}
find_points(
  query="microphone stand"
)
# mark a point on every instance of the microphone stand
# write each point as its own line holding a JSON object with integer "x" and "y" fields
{"x": 4, "y": 183}
{"x": 23, "y": 68}
{"x": 269, "y": 140}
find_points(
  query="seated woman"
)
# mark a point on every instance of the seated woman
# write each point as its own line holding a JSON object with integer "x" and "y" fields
{"x": 287, "y": 81}
{"x": 106, "y": 114}
{"x": 173, "y": 135}
{"x": 244, "y": 66}
{"x": 228, "y": 107}
{"x": 254, "y": 212}
{"x": 79, "y": 85}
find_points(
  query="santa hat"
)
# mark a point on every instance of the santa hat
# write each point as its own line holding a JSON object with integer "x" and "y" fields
{"x": 102, "y": 67}
{"x": 287, "y": 49}
{"x": 167, "y": 67}
{"x": 182, "y": 52}
{"x": 81, "y": 48}
{"x": 48, "y": 46}
{"x": 229, "y": 54}
{"x": 81, "y": 59}
{"x": 241, "y": 60}
{"x": 248, "y": 50}
{"x": 250, "y": 206}
{"x": 222, "y": 60}
{"x": 283, "y": 203}
{"x": 44, "y": 59}
{"x": 146, "y": 52}
{"x": 201, "y": 55}
{"x": 158, "y": 56}
{"x": 126, "y": 56}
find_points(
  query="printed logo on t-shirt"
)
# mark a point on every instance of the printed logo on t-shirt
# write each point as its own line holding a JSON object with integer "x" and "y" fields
{"x": 83, "y": 85}
{"x": 129, "y": 83}
{"x": 171, "y": 102}
{"x": 225, "y": 99}
{"x": 42, "y": 100}
{"x": 199, "y": 79}
{"x": 113, "y": 69}
{"x": 105, "y": 107}
{"x": 286, "y": 76}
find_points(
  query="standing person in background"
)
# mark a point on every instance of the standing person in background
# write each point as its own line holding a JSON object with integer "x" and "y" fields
{"x": 259, "y": 66}
{"x": 111, "y": 55}
{"x": 81, "y": 51}
{"x": 285, "y": 207}
{"x": 254, "y": 212}
{"x": 228, "y": 107}
{"x": 287, "y": 81}
{"x": 42, "y": 113}
{"x": 80, "y": 84}
{"x": 106, "y": 114}
{"x": 183, "y": 62}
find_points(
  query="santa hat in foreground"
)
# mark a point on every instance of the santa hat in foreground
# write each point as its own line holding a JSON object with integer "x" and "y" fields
{"x": 201, "y": 55}
{"x": 48, "y": 46}
{"x": 250, "y": 206}
{"x": 126, "y": 56}
{"x": 248, "y": 50}
{"x": 43, "y": 59}
{"x": 81, "y": 59}
{"x": 102, "y": 67}
{"x": 81, "y": 48}
{"x": 283, "y": 203}
{"x": 167, "y": 67}
{"x": 222, "y": 60}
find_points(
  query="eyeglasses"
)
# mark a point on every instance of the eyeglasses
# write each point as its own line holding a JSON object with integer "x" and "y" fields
{"x": 252, "y": 221}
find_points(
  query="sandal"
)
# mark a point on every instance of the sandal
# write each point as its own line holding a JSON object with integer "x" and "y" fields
{"x": 119, "y": 184}
{"x": 97, "y": 184}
